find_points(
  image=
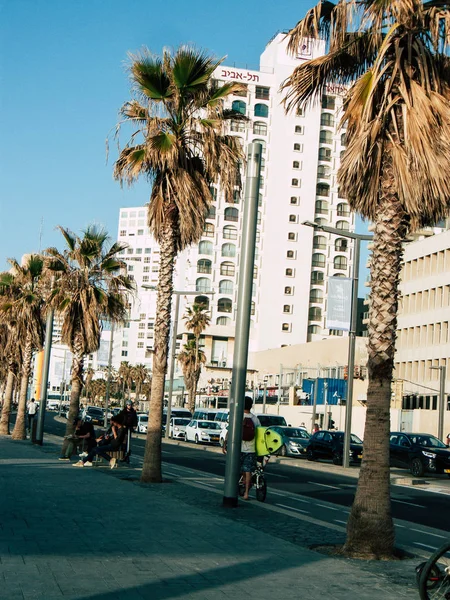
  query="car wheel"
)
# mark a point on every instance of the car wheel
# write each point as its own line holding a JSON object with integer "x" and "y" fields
{"x": 416, "y": 468}
{"x": 337, "y": 458}
{"x": 283, "y": 451}
{"x": 196, "y": 439}
{"x": 310, "y": 454}
{"x": 221, "y": 442}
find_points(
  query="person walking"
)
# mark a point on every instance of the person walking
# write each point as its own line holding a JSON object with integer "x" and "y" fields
{"x": 31, "y": 410}
{"x": 130, "y": 421}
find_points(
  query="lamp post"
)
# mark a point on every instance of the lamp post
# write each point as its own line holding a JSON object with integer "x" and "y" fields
{"x": 358, "y": 238}
{"x": 173, "y": 348}
{"x": 442, "y": 376}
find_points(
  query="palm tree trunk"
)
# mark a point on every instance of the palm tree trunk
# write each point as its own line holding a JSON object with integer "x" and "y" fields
{"x": 151, "y": 471}
{"x": 76, "y": 387}
{"x": 19, "y": 431}
{"x": 6, "y": 408}
{"x": 370, "y": 530}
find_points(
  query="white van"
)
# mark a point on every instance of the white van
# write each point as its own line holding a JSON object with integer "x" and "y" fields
{"x": 271, "y": 420}
{"x": 222, "y": 417}
{"x": 204, "y": 414}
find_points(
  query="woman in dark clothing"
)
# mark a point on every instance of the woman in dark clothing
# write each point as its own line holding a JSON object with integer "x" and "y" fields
{"x": 118, "y": 436}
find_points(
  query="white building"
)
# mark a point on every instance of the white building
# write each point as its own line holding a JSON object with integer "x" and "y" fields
{"x": 301, "y": 154}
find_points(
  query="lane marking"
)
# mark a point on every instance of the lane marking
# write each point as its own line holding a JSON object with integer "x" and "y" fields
{"x": 401, "y": 526}
{"x": 276, "y": 475}
{"x": 305, "y": 512}
{"x": 329, "y": 507}
{"x": 425, "y": 546}
{"x": 409, "y": 503}
{"x": 337, "y": 521}
{"x": 324, "y": 485}
{"x": 427, "y": 533}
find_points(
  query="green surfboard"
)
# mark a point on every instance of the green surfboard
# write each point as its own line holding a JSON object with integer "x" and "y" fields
{"x": 268, "y": 441}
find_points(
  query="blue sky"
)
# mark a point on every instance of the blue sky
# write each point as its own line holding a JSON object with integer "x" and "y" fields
{"x": 62, "y": 81}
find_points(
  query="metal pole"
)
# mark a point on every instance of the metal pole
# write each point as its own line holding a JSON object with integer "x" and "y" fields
{"x": 264, "y": 398}
{"x": 44, "y": 384}
{"x": 315, "y": 391}
{"x": 442, "y": 376}
{"x": 63, "y": 384}
{"x": 351, "y": 356}
{"x": 108, "y": 379}
{"x": 245, "y": 286}
{"x": 280, "y": 377}
{"x": 325, "y": 398}
{"x": 173, "y": 352}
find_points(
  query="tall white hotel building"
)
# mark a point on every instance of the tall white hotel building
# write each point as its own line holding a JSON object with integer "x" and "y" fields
{"x": 301, "y": 154}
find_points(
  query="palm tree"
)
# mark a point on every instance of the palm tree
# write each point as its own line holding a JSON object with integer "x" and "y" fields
{"x": 126, "y": 375}
{"x": 140, "y": 375}
{"x": 87, "y": 381}
{"x": 178, "y": 143}
{"x": 22, "y": 305}
{"x": 10, "y": 360}
{"x": 197, "y": 319}
{"x": 89, "y": 287}
{"x": 393, "y": 58}
{"x": 191, "y": 359}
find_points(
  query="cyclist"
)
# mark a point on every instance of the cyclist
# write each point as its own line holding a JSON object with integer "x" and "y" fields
{"x": 248, "y": 444}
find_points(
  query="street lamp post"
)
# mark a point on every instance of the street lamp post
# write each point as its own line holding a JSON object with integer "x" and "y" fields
{"x": 108, "y": 378}
{"x": 442, "y": 376}
{"x": 43, "y": 399}
{"x": 358, "y": 238}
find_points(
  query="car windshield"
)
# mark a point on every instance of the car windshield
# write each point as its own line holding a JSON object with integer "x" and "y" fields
{"x": 271, "y": 421}
{"x": 354, "y": 438}
{"x": 181, "y": 421}
{"x": 293, "y": 432}
{"x": 181, "y": 414}
{"x": 95, "y": 411}
{"x": 143, "y": 418}
{"x": 429, "y": 441}
{"x": 208, "y": 425}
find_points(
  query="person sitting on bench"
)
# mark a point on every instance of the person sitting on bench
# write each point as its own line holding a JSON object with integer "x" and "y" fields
{"x": 118, "y": 432}
{"x": 82, "y": 438}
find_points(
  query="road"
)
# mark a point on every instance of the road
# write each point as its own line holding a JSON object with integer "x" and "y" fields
{"x": 306, "y": 492}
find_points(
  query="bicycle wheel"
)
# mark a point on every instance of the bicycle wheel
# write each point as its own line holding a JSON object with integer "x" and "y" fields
{"x": 434, "y": 575}
{"x": 261, "y": 490}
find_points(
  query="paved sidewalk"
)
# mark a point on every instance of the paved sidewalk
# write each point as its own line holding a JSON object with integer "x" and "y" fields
{"x": 96, "y": 534}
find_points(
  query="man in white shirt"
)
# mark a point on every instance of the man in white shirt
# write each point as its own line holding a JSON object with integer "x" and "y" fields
{"x": 31, "y": 410}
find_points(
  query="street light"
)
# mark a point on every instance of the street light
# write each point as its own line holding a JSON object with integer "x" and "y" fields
{"x": 173, "y": 349}
{"x": 357, "y": 237}
{"x": 442, "y": 376}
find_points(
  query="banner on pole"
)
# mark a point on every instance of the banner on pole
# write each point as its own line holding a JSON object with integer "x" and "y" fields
{"x": 339, "y": 303}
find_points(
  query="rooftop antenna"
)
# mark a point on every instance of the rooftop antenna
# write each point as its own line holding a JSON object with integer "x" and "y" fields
{"x": 41, "y": 229}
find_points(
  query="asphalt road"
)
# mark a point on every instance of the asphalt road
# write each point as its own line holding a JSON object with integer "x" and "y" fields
{"x": 306, "y": 492}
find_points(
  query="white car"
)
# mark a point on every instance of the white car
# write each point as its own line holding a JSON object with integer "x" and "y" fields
{"x": 142, "y": 423}
{"x": 178, "y": 427}
{"x": 203, "y": 432}
{"x": 223, "y": 436}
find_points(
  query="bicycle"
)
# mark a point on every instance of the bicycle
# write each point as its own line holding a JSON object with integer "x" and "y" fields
{"x": 258, "y": 480}
{"x": 433, "y": 576}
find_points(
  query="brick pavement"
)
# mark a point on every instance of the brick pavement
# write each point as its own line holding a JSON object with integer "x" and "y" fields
{"x": 91, "y": 534}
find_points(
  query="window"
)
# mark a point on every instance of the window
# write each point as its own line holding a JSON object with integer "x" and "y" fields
{"x": 341, "y": 245}
{"x": 252, "y": 308}
{"x": 287, "y": 308}
{"x": 255, "y": 272}
{"x": 293, "y": 219}
{"x": 326, "y": 137}
{"x": 320, "y": 222}
{"x": 224, "y": 305}
{"x": 223, "y": 321}
{"x": 344, "y": 139}
{"x": 208, "y": 230}
{"x": 146, "y": 269}
{"x": 124, "y": 344}
{"x": 230, "y": 232}
{"x": 318, "y": 260}
{"x": 262, "y": 93}
{"x": 320, "y": 242}
{"x": 315, "y": 313}
{"x": 140, "y": 232}
{"x": 259, "y": 128}
{"x": 140, "y": 344}
{"x": 342, "y": 225}
{"x": 325, "y": 154}
{"x": 239, "y": 106}
{"x": 294, "y": 200}
{"x": 124, "y": 352}
{"x": 321, "y": 207}
{"x": 295, "y": 183}
{"x": 290, "y": 254}
{"x": 204, "y": 300}
{"x": 299, "y": 112}
{"x": 342, "y": 210}
{"x": 298, "y": 147}
{"x": 337, "y": 332}
{"x": 141, "y": 325}
{"x": 203, "y": 285}
{"x": 289, "y": 272}
{"x": 323, "y": 172}
{"x": 263, "y": 144}
{"x": 204, "y": 266}
{"x": 292, "y": 237}
{"x": 329, "y": 102}
{"x": 145, "y": 278}
{"x": 130, "y": 268}
{"x": 228, "y": 250}
{"x": 316, "y": 296}
{"x": 205, "y": 248}
{"x": 340, "y": 262}
{"x": 213, "y": 191}
{"x": 261, "y": 110}
{"x": 263, "y": 164}
{"x": 227, "y": 269}
{"x": 260, "y": 200}
{"x": 231, "y": 214}
{"x": 314, "y": 329}
{"x": 323, "y": 189}
{"x": 327, "y": 120}
{"x": 211, "y": 212}
{"x": 286, "y": 327}
{"x": 138, "y": 250}
{"x": 238, "y": 126}
{"x": 296, "y": 164}
{"x": 147, "y": 259}
{"x": 124, "y": 215}
{"x": 318, "y": 277}
{"x": 288, "y": 291}
{"x": 141, "y": 335}
{"x": 234, "y": 199}
{"x": 226, "y": 286}
{"x": 299, "y": 129}
{"x": 148, "y": 251}
{"x": 261, "y": 182}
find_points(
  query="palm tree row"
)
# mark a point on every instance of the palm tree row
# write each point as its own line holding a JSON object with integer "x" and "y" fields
{"x": 84, "y": 284}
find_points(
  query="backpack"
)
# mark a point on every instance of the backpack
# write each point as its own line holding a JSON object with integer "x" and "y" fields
{"x": 248, "y": 430}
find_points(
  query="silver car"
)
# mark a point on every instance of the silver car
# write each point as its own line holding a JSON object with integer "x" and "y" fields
{"x": 178, "y": 427}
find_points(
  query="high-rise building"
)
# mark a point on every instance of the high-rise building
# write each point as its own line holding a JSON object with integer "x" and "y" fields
{"x": 301, "y": 156}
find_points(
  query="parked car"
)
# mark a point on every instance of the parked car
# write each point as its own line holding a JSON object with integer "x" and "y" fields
{"x": 222, "y": 417}
{"x": 142, "y": 423}
{"x": 419, "y": 452}
{"x": 271, "y": 420}
{"x": 205, "y": 414}
{"x": 53, "y": 404}
{"x": 223, "y": 436}
{"x": 203, "y": 432}
{"x": 182, "y": 413}
{"x": 178, "y": 427}
{"x": 295, "y": 440}
{"x": 93, "y": 414}
{"x": 330, "y": 444}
